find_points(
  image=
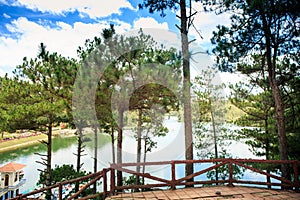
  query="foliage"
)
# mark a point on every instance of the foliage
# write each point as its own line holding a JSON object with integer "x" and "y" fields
{"x": 258, "y": 122}
{"x": 61, "y": 173}
{"x": 223, "y": 171}
{"x": 17, "y": 102}
{"x": 159, "y": 6}
{"x": 252, "y": 25}
{"x": 186, "y": 21}
{"x": 131, "y": 180}
{"x": 209, "y": 114}
{"x": 126, "y": 67}
{"x": 50, "y": 73}
{"x": 261, "y": 34}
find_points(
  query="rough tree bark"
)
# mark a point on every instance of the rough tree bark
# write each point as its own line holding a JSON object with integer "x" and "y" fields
{"x": 279, "y": 104}
{"x": 119, "y": 149}
{"x": 189, "y": 169}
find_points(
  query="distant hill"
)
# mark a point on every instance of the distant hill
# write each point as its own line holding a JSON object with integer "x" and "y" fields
{"x": 232, "y": 112}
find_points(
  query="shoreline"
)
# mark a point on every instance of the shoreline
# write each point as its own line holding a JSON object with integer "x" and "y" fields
{"x": 32, "y": 140}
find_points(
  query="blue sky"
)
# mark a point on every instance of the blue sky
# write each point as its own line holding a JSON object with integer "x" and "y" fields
{"x": 63, "y": 25}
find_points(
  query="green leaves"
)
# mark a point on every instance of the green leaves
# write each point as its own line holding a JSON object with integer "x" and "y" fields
{"x": 159, "y": 6}
{"x": 53, "y": 76}
{"x": 61, "y": 173}
{"x": 16, "y": 104}
{"x": 247, "y": 33}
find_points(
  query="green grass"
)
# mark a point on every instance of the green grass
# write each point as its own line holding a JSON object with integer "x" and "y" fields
{"x": 16, "y": 143}
{"x": 26, "y": 141}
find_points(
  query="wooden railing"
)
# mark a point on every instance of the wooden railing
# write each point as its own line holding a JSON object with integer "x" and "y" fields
{"x": 215, "y": 164}
{"x": 88, "y": 179}
{"x": 174, "y": 179}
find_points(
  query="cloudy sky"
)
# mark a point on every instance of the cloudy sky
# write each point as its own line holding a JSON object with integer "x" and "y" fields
{"x": 63, "y": 25}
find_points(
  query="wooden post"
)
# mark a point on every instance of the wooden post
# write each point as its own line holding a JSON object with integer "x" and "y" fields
{"x": 60, "y": 191}
{"x": 104, "y": 183}
{"x": 230, "y": 173}
{"x": 296, "y": 176}
{"x": 173, "y": 187}
{"x": 112, "y": 181}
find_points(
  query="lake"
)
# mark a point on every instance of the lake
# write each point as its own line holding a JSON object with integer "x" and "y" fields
{"x": 170, "y": 147}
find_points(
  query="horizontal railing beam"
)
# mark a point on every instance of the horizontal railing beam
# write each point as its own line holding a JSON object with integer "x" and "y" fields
{"x": 144, "y": 175}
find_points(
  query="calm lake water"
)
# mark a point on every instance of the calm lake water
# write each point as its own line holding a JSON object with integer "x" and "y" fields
{"x": 170, "y": 147}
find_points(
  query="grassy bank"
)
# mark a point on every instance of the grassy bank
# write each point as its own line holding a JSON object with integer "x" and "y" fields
{"x": 9, "y": 145}
{"x": 21, "y": 142}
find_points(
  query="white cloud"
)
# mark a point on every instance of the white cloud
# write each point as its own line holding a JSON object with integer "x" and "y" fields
{"x": 205, "y": 23}
{"x": 6, "y": 16}
{"x": 64, "y": 39}
{"x": 159, "y": 31}
{"x": 92, "y": 8}
{"x": 120, "y": 26}
{"x": 149, "y": 22}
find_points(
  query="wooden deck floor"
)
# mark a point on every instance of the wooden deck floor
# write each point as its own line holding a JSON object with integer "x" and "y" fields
{"x": 217, "y": 192}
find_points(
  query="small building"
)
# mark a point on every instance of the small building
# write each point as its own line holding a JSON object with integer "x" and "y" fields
{"x": 11, "y": 179}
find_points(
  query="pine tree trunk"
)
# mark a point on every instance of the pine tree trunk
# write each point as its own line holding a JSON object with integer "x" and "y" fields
{"x": 139, "y": 147}
{"x": 279, "y": 105}
{"x": 95, "y": 155}
{"x": 79, "y": 151}
{"x": 215, "y": 138}
{"x": 267, "y": 142}
{"x": 145, "y": 158}
{"x": 280, "y": 119}
{"x": 119, "y": 149}
{"x": 186, "y": 90}
{"x": 113, "y": 145}
{"x": 49, "y": 159}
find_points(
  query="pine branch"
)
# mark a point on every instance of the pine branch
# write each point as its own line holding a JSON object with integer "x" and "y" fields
{"x": 198, "y": 32}
{"x": 178, "y": 27}
{"x": 39, "y": 154}
{"x": 44, "y": 142}
{"x": 42, "y": 163}
{"x": 41, "y": 170}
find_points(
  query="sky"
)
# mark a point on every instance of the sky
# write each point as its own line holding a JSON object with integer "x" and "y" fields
{"x": 64, "y": 25}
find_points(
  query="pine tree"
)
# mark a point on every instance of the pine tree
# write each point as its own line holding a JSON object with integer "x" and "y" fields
{"x": 268, "y": 28}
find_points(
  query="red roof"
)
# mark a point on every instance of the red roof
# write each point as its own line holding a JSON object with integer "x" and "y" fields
{"x": 12, "y": 167}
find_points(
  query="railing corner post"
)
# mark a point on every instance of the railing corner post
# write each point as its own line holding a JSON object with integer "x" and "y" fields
{"x": 296, "y": 176}
{"x": 173, "y": 182}
{"x": 112, "y": 180}
{"x": 230, "y": 184}
{"x": 105, "y": 182}
{"x": 60, "y": 191}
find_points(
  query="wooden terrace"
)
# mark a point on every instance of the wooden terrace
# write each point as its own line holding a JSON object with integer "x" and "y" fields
{"x": 172, "y": 188}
